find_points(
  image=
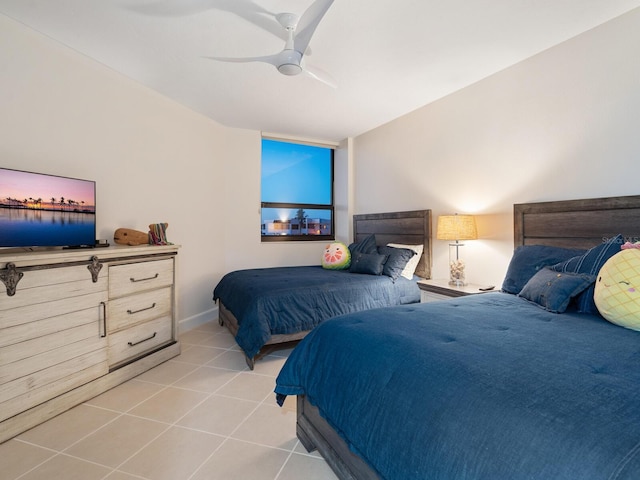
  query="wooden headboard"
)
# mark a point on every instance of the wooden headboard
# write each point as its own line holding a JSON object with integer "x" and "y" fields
{"x": 577, "y": 223}
{"x": 409, "y": 228}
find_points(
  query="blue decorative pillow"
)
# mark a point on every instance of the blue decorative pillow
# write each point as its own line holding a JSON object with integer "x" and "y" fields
{"x": 369, "y": 263}
{"x": 398, "y": 259}
{"x": 527, "y": 260}
{"x": 368, "y": 245}
{"x": 554, "y": 290}
{"x": 590, "y": 263}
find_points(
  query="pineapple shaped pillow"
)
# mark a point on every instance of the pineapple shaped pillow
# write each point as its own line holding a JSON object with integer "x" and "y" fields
{"x": 336, "y": 256}
{"x": 617, "y": 290}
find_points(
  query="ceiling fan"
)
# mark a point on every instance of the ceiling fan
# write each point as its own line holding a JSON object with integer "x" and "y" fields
{"x": 299, "y": 30}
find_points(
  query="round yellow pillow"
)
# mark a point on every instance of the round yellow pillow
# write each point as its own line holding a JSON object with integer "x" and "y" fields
{"x": 617, "y": 290}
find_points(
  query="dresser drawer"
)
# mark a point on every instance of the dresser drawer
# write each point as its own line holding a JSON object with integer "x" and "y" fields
{"x": 74, "y": 286}
{"x": 124, "y": 312}
{"x": 29, "y": 339}
{"x": 72, "y": 279}
{"x": 135, "y": 341}
{"x": 426, "y": 297}
{"x": 49, "y": 351}
{"x": 63, "y": 305}
{"x": 139, "y": 277}
{"x": 31, "y": 390}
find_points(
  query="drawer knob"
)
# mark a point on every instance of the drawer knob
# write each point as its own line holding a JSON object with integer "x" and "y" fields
{"x": 133, "y": 344}
{"x": 131, "y": 312}
{"x": 143, "y": 279}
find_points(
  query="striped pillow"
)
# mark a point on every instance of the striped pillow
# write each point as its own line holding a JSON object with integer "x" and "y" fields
{"x": 590, "y": 263}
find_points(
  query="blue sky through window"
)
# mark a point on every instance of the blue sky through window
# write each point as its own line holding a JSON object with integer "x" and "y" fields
{"x": 296, "y": 174}
{"x": 293, "y": 173}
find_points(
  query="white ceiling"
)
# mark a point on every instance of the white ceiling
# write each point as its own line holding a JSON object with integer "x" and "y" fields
{"x": 389, "y": 57}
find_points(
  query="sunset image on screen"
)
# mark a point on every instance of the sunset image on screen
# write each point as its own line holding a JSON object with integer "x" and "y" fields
{"x": 44, "y": 192}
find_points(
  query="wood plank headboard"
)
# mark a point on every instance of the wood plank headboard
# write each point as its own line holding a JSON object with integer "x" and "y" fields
{"x": 577, "y": 223}
{"x": 409, "y": 228}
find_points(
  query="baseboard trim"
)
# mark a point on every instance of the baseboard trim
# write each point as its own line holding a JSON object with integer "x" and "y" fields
{"x": 194, "y": 321}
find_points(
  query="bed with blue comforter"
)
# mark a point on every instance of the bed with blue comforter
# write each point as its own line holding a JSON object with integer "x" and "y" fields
{"x": 287, "y": 300}
{"x": 482, "y": 387}
{"x": 267, "y": 307}
{"x": 532, "y": 382}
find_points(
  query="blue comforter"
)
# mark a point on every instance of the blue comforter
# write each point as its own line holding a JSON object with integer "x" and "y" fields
{"x": 285, "y": 300}
{"x": 481, "y": 387}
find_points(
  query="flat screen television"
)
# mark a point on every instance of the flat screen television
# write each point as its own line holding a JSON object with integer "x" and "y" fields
{"x": 41, "y": 210}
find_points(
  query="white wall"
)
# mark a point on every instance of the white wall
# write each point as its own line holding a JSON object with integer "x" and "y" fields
{"x": 153, "y": 161}
{"x": 560, "y": 125}
{"x": 239, "y": 177}
{"x": 63, "y": 114}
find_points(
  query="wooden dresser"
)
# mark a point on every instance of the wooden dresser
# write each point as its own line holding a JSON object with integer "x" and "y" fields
{"x": 74, "y": 323}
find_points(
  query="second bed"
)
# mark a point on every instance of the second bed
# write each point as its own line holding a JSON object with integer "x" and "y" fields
{"x": 270, "y": 306}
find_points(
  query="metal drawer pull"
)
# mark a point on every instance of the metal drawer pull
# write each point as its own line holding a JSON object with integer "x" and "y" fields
{"x": 131, "y": 312}
{"x": 103, "y": 308}
{"x": 143, "y": 279}
{"x": 133, "y": 344}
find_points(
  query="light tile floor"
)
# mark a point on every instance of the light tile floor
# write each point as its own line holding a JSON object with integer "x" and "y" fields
{"x": 202, "y": 415}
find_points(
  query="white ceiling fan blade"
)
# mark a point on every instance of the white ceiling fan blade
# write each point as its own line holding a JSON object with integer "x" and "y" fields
{"x": 191, "y": 7}
{"x": 320, "y": 75}
{"x": 167, "y": 8}
{"x": 270, "y": 59}
{"x": 309, "y": 22}
{"x": 299, "y": 32}
{"x": 245, "y": 9}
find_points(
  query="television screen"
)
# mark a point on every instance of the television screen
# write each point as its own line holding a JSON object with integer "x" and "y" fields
{"x": 39, "y": 210}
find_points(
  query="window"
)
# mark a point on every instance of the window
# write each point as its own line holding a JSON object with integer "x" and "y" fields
{"x": 296, "y": 192}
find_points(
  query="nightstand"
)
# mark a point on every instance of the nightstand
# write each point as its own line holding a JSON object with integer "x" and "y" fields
{"x": 431, "y": 290}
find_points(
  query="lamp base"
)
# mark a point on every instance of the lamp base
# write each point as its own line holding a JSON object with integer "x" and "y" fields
{"x": 456, "y": 266}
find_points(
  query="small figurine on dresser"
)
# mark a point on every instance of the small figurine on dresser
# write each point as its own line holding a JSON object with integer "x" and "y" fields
{"x": 157, "y": 235}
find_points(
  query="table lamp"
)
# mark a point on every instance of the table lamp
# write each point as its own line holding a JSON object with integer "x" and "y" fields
{"x": 456, "y": 227}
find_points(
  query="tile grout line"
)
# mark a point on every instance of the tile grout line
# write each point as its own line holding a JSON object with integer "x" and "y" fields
{"x": 169, "y": 425}
{"x": 287, "y": 460}
{"x": 291, "y": 452}
{"x": 229, "y": 437}
{"x": 174, "y": 424}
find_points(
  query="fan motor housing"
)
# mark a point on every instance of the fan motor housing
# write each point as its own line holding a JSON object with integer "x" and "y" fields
{"x": 289, "y": 62}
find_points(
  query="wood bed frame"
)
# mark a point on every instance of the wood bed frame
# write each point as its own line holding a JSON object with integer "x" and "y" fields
{"x": 569, "y": 223}
{"x": 409, "y": 228}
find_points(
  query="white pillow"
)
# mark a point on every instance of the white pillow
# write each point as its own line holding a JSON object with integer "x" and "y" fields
{"x": 411, "y": 266}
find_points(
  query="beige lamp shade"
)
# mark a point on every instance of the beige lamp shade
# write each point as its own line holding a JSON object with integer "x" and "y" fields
{"x": 456, "y": 227}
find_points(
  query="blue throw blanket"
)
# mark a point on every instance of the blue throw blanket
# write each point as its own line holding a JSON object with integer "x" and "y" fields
{"x": 285, "y": 300}
{"x": 481, "y": 387}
